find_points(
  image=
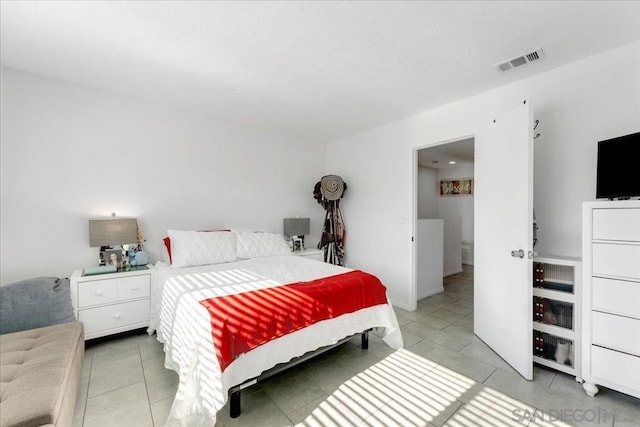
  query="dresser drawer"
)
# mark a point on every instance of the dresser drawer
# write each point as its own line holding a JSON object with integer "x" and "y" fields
{"x": 97, "y": 292}
{"x": 114, "y": 316}
{"x": 616, "y": 224}
{"x": 616, "y": 332}
{"x": 616, "y": 260}
{"x": 619, "y": 368}
{"x": 616, "y": 296}
{"x": 133, "y": 287}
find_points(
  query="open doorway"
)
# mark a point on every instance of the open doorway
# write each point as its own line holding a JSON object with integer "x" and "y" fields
{"x": 444, "y": 220}
{"x": 503, "y": 216}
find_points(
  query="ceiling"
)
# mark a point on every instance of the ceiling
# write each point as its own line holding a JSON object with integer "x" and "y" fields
{"x": 318, "y": 70}
{"x": 438, "y": 157}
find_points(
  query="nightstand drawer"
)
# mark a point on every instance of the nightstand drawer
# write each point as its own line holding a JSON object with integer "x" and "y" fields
{"x": 133, "y": 287}
{"x": 616, "y": 260}
{"x": 616, "y": 296}
{"x": 97, "y": 292}
{"x": 114, "y": 316}
{"x": 616, "y": 332}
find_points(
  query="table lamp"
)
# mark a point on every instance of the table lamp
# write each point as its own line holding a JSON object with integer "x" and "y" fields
{"x": 295, "y": 229}
{"x": 108, "y": 233}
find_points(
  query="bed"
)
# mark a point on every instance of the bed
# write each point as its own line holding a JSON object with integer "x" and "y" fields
{"x": 187, "y": 328}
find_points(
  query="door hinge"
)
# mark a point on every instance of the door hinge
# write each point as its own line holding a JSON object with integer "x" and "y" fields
{"x": 519, "y": 253}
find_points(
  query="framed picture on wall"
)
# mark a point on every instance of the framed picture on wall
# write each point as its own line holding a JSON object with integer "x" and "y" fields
{"x": 456, "y": 187}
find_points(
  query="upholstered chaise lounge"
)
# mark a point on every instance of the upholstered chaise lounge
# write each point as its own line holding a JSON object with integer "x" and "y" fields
{"x": 41, "y": 353}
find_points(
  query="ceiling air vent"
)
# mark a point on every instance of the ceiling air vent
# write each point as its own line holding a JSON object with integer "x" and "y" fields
{"x": 520, "y": 60}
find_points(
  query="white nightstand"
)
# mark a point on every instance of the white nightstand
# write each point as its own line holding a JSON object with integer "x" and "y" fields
{"x": 110, "y": 303}
{"x": 317, "y": 254}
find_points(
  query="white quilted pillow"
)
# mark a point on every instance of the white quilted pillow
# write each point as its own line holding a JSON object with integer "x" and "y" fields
{"x": 255, "y": 245}
{"x": 190, "y": 248}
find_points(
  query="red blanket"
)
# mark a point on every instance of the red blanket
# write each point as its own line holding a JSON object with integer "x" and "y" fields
{"x": 244, "y": 321}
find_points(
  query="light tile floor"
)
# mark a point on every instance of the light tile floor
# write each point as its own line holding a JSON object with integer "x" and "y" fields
{"x": 444, "y": 376}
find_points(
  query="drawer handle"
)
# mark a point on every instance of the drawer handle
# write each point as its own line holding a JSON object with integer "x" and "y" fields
{"x": 134, "y": 288}
{"x": 117, "y": 316}
{"x": 99, "y": 292}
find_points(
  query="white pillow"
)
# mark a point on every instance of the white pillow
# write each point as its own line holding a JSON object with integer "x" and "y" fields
{"x": 258, "y": 244}
{"x": 191, "y": 248}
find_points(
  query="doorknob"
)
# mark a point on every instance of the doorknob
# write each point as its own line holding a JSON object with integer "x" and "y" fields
{"x": 517, "y": 254}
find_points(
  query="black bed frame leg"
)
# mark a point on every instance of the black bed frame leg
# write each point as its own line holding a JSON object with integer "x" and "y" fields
{"x": 234, "y": 403}
{"x": 365, "y": 340}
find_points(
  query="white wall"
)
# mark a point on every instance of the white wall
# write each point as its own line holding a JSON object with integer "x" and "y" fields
{"x": 452, "y": 248}
{"x": 427, "y": 192}
{"x": 429, "y": 257}
{"x": 577, "y": 104}
{"x": 70, "y": 153}
{"x": 458, "y": 206}
{"x": 454, "y": 209}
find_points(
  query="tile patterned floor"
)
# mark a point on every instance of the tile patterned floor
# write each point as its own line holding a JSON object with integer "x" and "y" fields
{"x": 445, "y": 376}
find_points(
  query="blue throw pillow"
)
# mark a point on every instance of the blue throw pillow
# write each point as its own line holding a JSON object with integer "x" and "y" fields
{"x": 35, "y": 303}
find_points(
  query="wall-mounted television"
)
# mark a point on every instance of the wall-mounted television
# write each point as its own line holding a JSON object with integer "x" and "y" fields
{"x": 618, "y": 173}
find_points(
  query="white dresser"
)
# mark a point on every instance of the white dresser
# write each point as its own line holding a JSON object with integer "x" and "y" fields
{"x": 110, "y": 303}
{"x": 611, "y": 296}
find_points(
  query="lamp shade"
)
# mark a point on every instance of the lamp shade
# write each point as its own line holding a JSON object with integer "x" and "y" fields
{"x": 112, "y": 231}
{"x": 296, "y": 226}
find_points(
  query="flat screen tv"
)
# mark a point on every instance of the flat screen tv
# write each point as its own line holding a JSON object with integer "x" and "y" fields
{"x": 618, "y": 174}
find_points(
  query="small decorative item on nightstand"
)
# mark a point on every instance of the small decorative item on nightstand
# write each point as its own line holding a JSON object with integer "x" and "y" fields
{"x": 296, "y": 244}
{"x": 113, "y": 257}
{"x": 141, "y": 257}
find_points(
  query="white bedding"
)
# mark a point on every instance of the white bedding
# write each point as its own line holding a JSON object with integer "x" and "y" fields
{"x": 184, "y": 326}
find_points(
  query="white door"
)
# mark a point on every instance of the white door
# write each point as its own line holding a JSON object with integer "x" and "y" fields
{"x": 503, "y": 208}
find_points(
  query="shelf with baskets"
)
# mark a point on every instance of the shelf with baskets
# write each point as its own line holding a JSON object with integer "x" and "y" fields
{"x": 556, "y": 313}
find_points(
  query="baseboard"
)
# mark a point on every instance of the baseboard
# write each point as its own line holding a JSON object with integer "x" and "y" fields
{"x": 430, "y": 292}
{"x": 451, "y": 273}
